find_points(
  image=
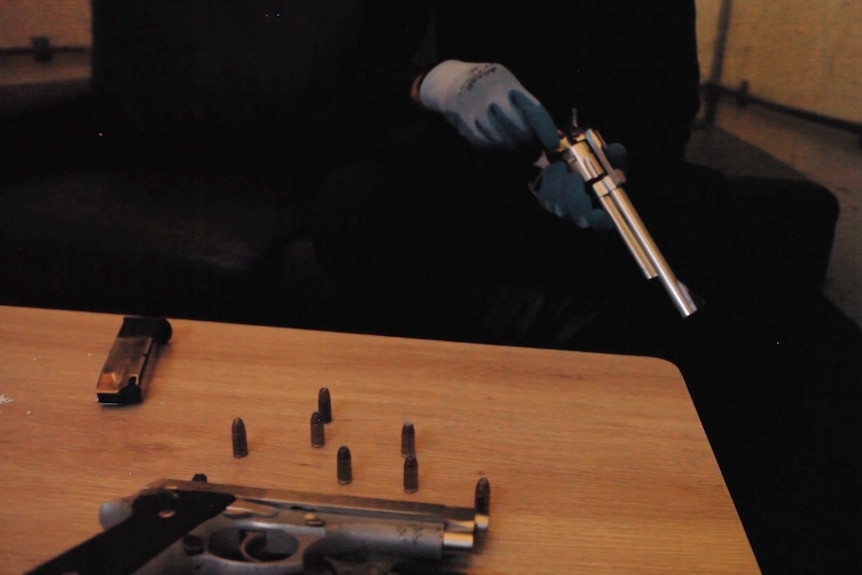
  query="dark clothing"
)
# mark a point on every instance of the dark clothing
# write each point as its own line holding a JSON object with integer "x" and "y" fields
{"x": 630, "y": 68}
{"x": 220, "y": 78}
{"x": 429, "y": 237}
{"x": 423, "y": 218}
{"x": 423, "y": 234}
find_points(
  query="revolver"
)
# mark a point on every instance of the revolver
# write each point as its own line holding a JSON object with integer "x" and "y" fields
{"x": 583, "y": 150}
{"x": 183, "y": 527}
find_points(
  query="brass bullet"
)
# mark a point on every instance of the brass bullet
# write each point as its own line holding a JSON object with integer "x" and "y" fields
{"x": 318, "y": 435}
{"x": 324, "y": 404}
{"x": 411, "y": 474}
{"x": 240, "y": 441}
{"x": 345, "y": 465}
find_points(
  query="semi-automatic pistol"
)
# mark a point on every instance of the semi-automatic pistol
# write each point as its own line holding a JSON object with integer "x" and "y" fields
{"x": 185, "y": 527}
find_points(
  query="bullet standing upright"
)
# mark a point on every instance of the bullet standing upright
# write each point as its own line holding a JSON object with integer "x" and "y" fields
{"x": 324, "y": 404}
{"x": 482, "y": 501}
{"x": 318, "y": 434}
{"x": 411, "y": 474}
{"x": 238, "y": 435}
{"x": 345, "y": 465}
{"x": 408, "y": 439}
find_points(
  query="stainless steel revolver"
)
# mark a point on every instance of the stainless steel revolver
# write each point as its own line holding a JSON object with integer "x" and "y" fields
{"x": 584, "y": 151}
{"x": 184, "y": 527}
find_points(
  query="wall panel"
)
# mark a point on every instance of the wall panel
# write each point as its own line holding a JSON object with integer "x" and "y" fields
{"x": 65, "y": 22}
{"x": 793, "y": 52}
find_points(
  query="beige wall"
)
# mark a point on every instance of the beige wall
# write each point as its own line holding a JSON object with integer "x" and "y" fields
{"x": 805, "y": 54}
{"x": 795, "y": 52}
{"x": 66, "y": 22}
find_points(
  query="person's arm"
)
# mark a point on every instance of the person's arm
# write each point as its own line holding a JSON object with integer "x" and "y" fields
{"x": 487, "y": 105}
{"x": 629, "y": 68}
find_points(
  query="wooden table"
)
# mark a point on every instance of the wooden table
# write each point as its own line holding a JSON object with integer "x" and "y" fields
{"x": 598, "y": 463}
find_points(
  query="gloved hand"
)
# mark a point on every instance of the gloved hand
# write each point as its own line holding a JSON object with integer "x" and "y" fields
{"x": 487, "y": 105}
{"x": 563, "y": 193}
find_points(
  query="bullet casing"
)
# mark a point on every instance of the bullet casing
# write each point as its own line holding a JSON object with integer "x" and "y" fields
{"x": 318, "y": 433}
{"x": 411, "y": 474}
{"x": 345, "y": 465}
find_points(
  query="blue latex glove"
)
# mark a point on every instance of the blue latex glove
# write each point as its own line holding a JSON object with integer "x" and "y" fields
{"x": 563, "y": 193}
{"x": 487, "y": 105}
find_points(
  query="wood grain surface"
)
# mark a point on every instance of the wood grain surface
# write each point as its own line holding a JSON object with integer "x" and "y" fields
{"x": 597, "y": 463}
